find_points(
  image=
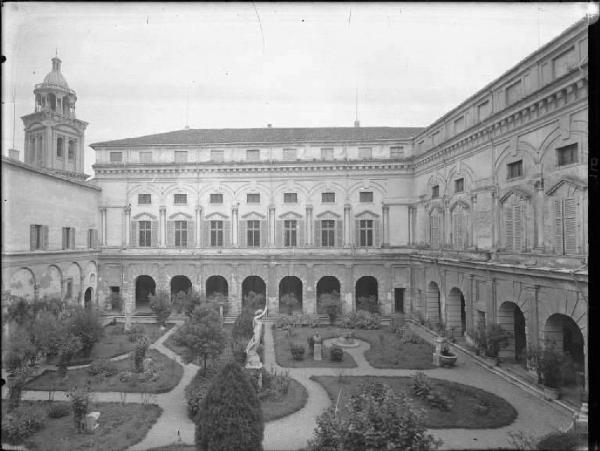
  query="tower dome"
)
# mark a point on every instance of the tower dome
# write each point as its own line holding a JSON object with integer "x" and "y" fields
{"x": 55, "y": 77}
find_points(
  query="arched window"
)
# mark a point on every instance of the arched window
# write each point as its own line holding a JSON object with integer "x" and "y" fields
{"x": 71, "y": 151}
{"x": 435, "y": 228}
{"x": 459, "y": 227}
{"x": 60, "y": 147}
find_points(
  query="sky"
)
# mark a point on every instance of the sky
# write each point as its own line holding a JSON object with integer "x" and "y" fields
{"x": 144, "y": 68}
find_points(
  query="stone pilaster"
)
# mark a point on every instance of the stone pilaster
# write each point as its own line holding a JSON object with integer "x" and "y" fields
{"x": 198, "y": 226}
{"x": 272, "y": 226}
{"x": 385, "y": 210}
{"x": 103, "y": 225}
{"x": 127, "y": 220}
{"x": 234, "y": 225}
{"x": 162, "y": 226}
{"x": 309, "y": 226}
{"x": 347, "y": 226}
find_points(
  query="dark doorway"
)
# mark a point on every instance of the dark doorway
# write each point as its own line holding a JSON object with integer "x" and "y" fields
{"x": 399, "y": 300}
{"x": 254, "y": 292}
{"x": 144, "y": 287}
{"x": 216, "y": 288}
{"x": 87, "y": 299}
{"x": 290, "y": 295}
{"x": 180, "y": 283}
{"x": 520, "y": 338}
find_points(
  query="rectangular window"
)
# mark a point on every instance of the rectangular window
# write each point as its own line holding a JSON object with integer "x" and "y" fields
{"x": 145, "y": 233}
{"x": 253, "y": 233}
{"x": 60, "y": 147}
{"x": 327, "y": 153}
{"x": 181, "y": 233}
{"x": 514, "y": 170}
{"x": 513, "y": 93}
{"x": 396, "y": 152}
{"x": 216, "y": 233}
{"x": 253, "y": 198}
{"x": 434, "y": 230}
{"x": 253, "y": 155}
{"x": 289, "y": 154}
{"x": 144, "y": 199}
{"x": 37, "y": 237}
{"x": 435, "y": 191}
{"x": 217, "y": 155}
{"x": 565, "y": 226}
{"x": 145, "y": 157}
{"x": 290, "y": 198}
{"x": 365, "y": 153}
{"x": 216, "y": 198}
{"x": 91, "y": 238}
{"x": 180, "y": 199}
{"x": 68, "y": 238}
{"x": 289, "y": 232}
{"x": 435, "y": 138}
{"x": 71, "y": 150}
{"x": 483, "y": 110}
{"x": 181, "y": 156}
{"x": 563, "y": 62}
{"x": 566, "y": 155}
{"x": 116, "y": 157}
{"x": 328, "y": 233}
{"x": 366, "y": 196}
{"x": 366, "y": 232}
{"x": 327, "y": 198}
{"x": 459, "y": 124}
{"x": 459, "y": 185}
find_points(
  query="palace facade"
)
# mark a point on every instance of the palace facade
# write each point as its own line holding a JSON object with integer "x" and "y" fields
{"x": 479, "y": 217}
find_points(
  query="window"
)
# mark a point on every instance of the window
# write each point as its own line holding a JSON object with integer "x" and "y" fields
{"x": 289, "y": 232}
{"x": 366, "y": 196}
{"x": 60, "y": 147}
{"x": 563, "y": 63}
{"x": 181, "y": 156}
{"x": 514, "y": 170}
{"x": 217, "y": 155}
{"x": 289, "y": 154}
{"x": 253, "y": 198}
{"x": 483, "y": 110}
{"x": 420, "y": 145}
{"x": 566, "y": 155}
{"x": 253, "y": 155}
{"x": 92, "y": 238}
{"x": 144, "y": 199}
{"x": 116, "y": 157}
{"x": 253, "y": 233}
{"x": 216, "y": 233}
{"x": 145, "y": 157}
{"x": 435, "y": 229}
{"x": 38, "y": 237}
{"x": 145, "y": 233}
{"x": 459, "y": 185}
{"x": 459, "y": 229}
{"x": 180, "y": 199}
{"x": 68, "y": 238}
{"x": 366, "y": 232}
{"x": 565, "y": 226}
{"x": 365, "y": 153}
{"x": 327, "y": 153}
{"x": 435, "y": 138}
{"x": 435, "y": 191}
{"x": 216, "y": 198}
{"x": 69, "y": 288}
{"x": 396, "y": 152}
{"x": 328, "y": 233}
{"x": 459, "y": 124}
{"x": 181, "y": 233}
{"x": 513, "y": 93}
{"x": 290, "y": 198}
{"x": 327, "y": 198}
{"x": 513, "y": 225}
{"x": 71, "y": 151}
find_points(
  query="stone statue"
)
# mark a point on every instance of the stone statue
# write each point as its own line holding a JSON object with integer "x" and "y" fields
{"x": 252, "y": 358}
{"x": 317, "y": 347}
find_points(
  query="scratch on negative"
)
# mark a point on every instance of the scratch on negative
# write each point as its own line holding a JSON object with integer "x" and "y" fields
{"x": 260, "y": 25}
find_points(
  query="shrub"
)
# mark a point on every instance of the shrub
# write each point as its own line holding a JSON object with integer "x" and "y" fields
{"x": 421, "y": 384}
{"x": 230, "y": 414}
{"x": 59, "y": 410}
{"x": 397, "y": 324}
{"x": 289, "y": 301}
{"x": 141, "y": 346}
{"x": 329, "y": 303}
{"x": 86, "y": 325}
{"x": 559, "y": 441}
{"x": 412, "y": 338}
{"x": 191, "y": 301}
{"x": 297, "y": 352}
{"x": 361, "y": 320}
{"x": 160, "y": 303}
{"x": 16, "y": 382}
{"x": 20, "y": 349}
{"x": 282, "y": 322}
{"x": 496, "y": 338}
{"x": 243, "y": 327}
{"x": 103, "y": 367}
{"x": 367, "y": 304}
{"x": 68, "y": 346}
{"x": 20, "y": 424}
{"x": 438, "y": 401}
{"x": 254, "y": 301}
{"x": 19, "y": 310}
{"x": 336, "y": 354}
{"x": 80, "y": 400}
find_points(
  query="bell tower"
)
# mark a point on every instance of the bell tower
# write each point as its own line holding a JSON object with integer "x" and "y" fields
{"x": 54, "y": 137}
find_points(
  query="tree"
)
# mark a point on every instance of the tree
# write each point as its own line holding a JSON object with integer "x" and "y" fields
{"x": 230, "y": 417}
{"x": 86, "y": 325}
{"x": 160, "y": 303}
{"x": 191, "y": 301}
{"x": 19, "y": 310}
{"x": 290, "y": 302}
{"x": 375, "y": 418}
{"x": 367, "y": 303}
{"x": 20, "y": 350}
{"x": 243, "y": 328}
{"x": 254, "y": 301}
{"x": 66, "y": 347}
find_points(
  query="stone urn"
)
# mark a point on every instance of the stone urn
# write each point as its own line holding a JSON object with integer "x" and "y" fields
{"x": 447, "y": 359}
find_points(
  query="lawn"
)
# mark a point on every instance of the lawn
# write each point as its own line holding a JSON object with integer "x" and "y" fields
{"x": 465, "y": 411}
{"x": 120, "y": 426}
{"x": 180, "y": 350}
{"x": 169, "y": 376}
{"x": 294, "y": 400}
{"x": 299, "y": 336}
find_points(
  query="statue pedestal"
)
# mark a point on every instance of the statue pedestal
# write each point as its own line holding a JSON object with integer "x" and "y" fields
{"x": 318, "y": 351}
{"x": 439, "y": 345}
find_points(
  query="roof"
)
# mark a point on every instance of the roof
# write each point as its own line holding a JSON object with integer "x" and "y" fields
{"x": 265, "y": 135}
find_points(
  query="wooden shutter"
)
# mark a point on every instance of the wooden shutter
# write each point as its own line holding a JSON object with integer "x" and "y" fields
{"x": 558, "y": 226}
{"x": 357, "y": 232}
{"x": 133, "y": 238}
{"x": 226, "y": 233}
{"x": 154, "y": 233}
{"x": 243, "y": 235}
{"x": 339, "y": 231}
{"x": 32, "y": 237}
{"x": 508, "y": 227}
{"x": 64, "y": 238}
{"x": 434, "y": 219}
{"x": 72, "y": 238}
{"x": 318, "y": 233}
{"x": 206, "y": 233}
{"x": 191, "y": 233}
{"x": 95, "y": 238}
{"x": 376, "y": 233}
{"x": 279, "y": 233}
{"x": 518, "y": 227}
{"x": 458, "y": 222}
{"x": 570, "y": 225}
{"x": 300, "y": 233}
{"x": 170, "y": 233}
{"x": 45, "y": 240}
{"x": 264, "y": 232}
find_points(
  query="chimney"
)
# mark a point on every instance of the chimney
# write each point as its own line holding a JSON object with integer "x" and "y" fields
{"x": 357, "y": 123}
{"x": 269, "y": 125}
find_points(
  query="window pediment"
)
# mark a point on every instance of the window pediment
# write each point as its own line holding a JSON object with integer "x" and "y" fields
{"x": 180, "y": 216}
{"x": 518, "y": 192}
{"x": 216, "y": 216}
{"x": 572, "y": 182}
{"x": 367, "y": 214}
{"x": 145, "y": 217}
{"x": 253, "y": 215}
{"x": 290, "y": 215}
{"x": 328, "y": 214}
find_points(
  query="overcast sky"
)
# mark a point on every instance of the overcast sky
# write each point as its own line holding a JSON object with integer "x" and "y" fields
{"x": 143, "y": 68}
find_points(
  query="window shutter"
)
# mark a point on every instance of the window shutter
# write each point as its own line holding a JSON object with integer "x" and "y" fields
{"x": 570, "y": 225}
{"x": 377, "y": 233}
{"x": 205, "y": 233}
{"x": 264, "y": 232}
{"x": 558, "y": 226}
{"x": 226, "y": 233}
{"x": 508, "y": 227}
{"x": 95, "y": 238}
{"x": 154, "y": 233}
{"x": 339, "y": 231}
{"x": 32, "y": 237}
{"x": 518, "y": 227}
{"x": 279, "y": 234}
{"x": 45, "y": 241}
{"x": 317, "y": 233}
{"x": 243, "y": 236}
{"x": 64, "y": 238}
{"x": 458, "y": 230}
{"x": 191, "y": 233}
{"x": 300, "y": 233}
{"x": 72, "y": 238}
{"x": 435, "y": 229}
{"x": 170, "y": 233}
{"x": 357, "y": 232}
{"x": 133, "y": 239}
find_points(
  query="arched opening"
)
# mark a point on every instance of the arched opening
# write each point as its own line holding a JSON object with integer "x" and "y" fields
{"x": 52, "y": 101}
{"x": 366, "y": 294}
{"x": 328, "y": 291}
{"x": 290, "y": 295}
{"x": 434, "y": 309}
{"x": 22, "y": 284}
{"x": 87, "y": 298}
{"x": 564, "y": 333}
{"x": 144, "y": 287}
{"x": 456, "y": 314}
{"x": 254, "y": 293}
{"x": 511, "y": 319}
{"x": 217, "y": 288}
{"x": 180, "y": 284}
